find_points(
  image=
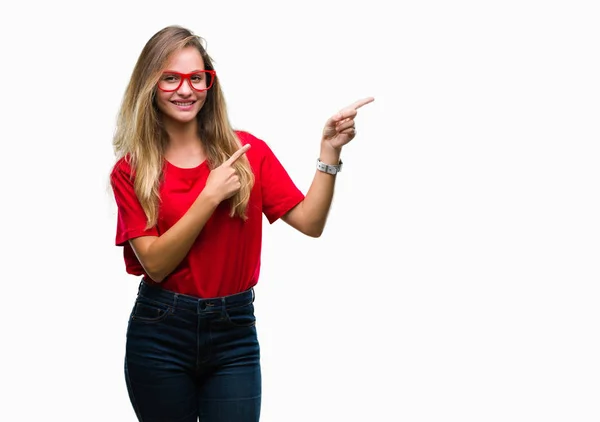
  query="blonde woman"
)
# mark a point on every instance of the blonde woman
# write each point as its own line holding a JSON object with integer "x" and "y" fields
{"x": 191, "y": 193}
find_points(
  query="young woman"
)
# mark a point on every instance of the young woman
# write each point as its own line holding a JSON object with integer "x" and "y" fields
{"x": 191, "y": 193}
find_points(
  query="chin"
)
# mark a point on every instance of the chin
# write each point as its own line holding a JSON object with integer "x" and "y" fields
{"x": 182, "y": 116}
{"x": 183, "y": 119}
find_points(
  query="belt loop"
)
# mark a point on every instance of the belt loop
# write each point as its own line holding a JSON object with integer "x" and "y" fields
{"x": 175, "y": 296}
{"x": 253, "y": 294}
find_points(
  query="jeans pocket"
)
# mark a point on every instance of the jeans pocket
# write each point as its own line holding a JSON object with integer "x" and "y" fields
{"x": 241, "y": 316}
{"x": 148, "y": 311}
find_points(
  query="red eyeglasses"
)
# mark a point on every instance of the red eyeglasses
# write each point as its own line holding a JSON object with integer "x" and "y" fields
{"x": 199, "y": 81}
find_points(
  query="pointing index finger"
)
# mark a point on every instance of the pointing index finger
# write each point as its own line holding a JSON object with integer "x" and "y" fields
{"x": 362, "y": 102}
{"x": 351, "y": 109}
{"x": 236, "y": 155}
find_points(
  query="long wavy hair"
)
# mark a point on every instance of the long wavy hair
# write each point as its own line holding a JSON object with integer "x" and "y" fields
{"x": 141, "y": 138}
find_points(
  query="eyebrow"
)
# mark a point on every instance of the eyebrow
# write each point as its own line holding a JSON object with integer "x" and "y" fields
{"x": 193, "y": 71}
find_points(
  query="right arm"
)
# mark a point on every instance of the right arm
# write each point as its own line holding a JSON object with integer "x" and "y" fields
{"x": 160, "y": 255}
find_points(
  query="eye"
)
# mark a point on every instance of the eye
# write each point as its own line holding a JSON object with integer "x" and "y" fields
{"x": 170, "y": 78}
{"x": 198, "y": 77}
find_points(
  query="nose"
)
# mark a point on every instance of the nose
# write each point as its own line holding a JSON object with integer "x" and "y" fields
{"x": 185, "y": 88}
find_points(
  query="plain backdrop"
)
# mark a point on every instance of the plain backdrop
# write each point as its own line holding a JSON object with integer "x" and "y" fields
{"x": 457, "y": 279}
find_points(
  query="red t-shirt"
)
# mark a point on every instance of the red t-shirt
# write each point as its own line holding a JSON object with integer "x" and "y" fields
{"x": 225, "y": 258}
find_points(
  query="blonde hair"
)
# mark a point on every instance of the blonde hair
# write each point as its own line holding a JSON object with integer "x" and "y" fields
{"x": 141, "y": 139}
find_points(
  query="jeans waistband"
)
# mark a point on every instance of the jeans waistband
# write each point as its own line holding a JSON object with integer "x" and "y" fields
{"x": 191, "y": 303}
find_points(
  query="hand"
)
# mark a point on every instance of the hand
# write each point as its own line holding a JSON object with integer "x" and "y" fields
{"x": 223, "y": 182}
{"x": 339, "y": 129}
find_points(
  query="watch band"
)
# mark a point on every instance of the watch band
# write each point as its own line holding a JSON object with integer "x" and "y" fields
{"x": 327, "y": 168}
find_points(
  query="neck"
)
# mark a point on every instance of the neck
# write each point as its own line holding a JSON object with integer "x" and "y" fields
{"x": 185, "y": 147}
{"x": 183, "y": 135}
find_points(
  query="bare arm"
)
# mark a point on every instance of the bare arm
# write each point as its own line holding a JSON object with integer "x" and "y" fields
{"x": 310, "y": 215}
{"x": 160, "y": 255}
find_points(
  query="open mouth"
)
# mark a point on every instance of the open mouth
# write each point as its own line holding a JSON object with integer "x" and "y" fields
{"x": 183, "y": 103}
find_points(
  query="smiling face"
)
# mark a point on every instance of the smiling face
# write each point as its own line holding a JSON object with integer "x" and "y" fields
{"x": 182, "y": 104}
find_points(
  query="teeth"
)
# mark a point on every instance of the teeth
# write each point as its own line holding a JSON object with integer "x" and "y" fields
{"x": 183, "y": 104}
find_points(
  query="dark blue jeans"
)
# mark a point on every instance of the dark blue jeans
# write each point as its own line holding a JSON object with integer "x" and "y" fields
{"x": 189, "y": 358}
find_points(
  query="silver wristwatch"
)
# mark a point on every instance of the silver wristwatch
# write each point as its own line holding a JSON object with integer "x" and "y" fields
{"x": 326, "y": 168}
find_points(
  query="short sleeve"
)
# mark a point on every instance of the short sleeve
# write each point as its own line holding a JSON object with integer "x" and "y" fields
{"x": 131, "y": 219}
{"x": 279, "y": 193}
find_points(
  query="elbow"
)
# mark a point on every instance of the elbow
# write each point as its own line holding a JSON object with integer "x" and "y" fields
{"x": 305, "y": 222}
{"x": 314, "y": 232}
{"x": 155, "y": 277}
{"x": 154, "y": 273}
{"x": 314, "y": 228}
{"x": 154, "y": 267}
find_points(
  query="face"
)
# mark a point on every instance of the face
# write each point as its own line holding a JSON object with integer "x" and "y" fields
{"x": 182, "y": 104}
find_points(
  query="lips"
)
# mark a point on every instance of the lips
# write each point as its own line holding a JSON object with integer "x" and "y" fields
{"x": 183, "y": 103}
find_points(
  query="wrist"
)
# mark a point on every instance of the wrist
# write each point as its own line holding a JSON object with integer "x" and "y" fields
{"x": 210, "y": 198}
{"x": 330, "y": 155}
{"x": 330, "y": 169}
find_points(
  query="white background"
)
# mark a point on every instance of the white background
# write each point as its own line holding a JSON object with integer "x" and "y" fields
{"x": 457, "y": 279}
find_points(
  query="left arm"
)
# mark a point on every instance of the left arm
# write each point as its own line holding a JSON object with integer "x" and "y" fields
{"x": 310, "y": 215}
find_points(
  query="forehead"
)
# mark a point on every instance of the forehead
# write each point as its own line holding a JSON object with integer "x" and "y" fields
{"x": 185, "y": 60}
